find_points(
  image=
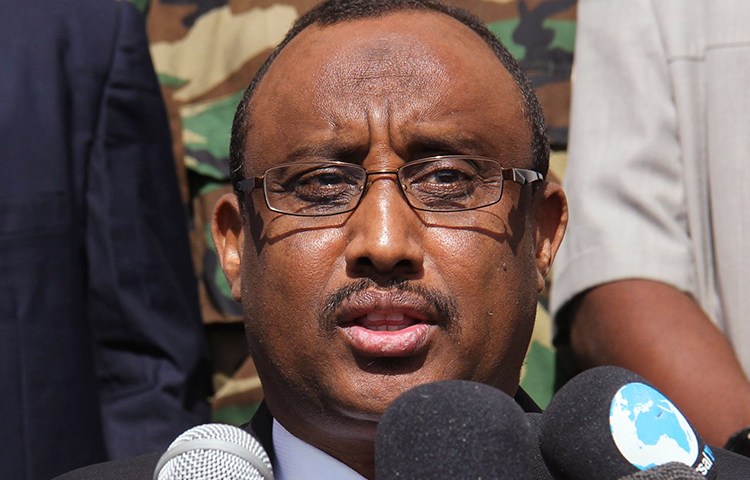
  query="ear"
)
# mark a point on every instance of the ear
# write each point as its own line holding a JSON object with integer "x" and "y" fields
{"x": 228, "y": 235}
{"x": 551, "y": 211}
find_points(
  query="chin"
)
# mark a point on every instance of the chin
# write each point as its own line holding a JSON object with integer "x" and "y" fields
{"x": 381, "y": 382}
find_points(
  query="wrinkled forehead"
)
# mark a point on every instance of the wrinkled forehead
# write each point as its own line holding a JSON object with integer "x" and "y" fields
{"x": 384, "y": 64}
{"x": 411, "y": 64}
{"x": 399, "y": 50}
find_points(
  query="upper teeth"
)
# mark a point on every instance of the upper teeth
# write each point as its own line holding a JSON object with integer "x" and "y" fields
{"x": 380, "y": 316}
{"x": 386, "y": 328}
{"x": 385, "y": 322}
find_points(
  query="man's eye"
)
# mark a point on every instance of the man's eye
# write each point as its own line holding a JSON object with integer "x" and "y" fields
{"x": 323, "y": 179}
{"x": 443, "y": 176}
{"x": 330, "y": 186}
{"x": 296, "y": 179}
{"x": 446, "y": 176}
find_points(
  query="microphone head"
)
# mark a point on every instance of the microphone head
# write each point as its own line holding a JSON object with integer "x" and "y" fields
{"x": 214, "y": 451}
{"x": 608, "y": 423}
{"x": 454, "y": 429}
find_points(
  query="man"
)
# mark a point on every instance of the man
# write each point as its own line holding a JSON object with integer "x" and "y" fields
{"x": 373, "y": 242}
{"x": 206, "y": 53}
{"x": 102, "y": 352}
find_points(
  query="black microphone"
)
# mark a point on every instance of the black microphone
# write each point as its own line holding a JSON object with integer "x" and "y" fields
{"x": 456, "y": 429}
{"x": 607, "y": 423}
{"x": 215, "y": 451}
{"x": 739, "y": 442}
{"x": 541, "y": 472}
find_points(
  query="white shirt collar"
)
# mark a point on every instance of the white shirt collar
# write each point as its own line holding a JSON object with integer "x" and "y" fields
{"x": 297, "y": 460}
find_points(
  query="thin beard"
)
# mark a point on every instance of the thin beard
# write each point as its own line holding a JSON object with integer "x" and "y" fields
{"x": 444, "y": 305}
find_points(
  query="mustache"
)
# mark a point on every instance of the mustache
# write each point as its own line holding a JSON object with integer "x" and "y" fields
{"x": 444, "y": 305}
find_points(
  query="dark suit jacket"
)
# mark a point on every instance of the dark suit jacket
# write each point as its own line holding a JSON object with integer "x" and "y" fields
{"x": 142, "y": 468}
{"x": 101, "y": 347}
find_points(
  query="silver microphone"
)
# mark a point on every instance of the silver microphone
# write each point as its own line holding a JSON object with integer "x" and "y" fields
{"x": 214, "y": 451}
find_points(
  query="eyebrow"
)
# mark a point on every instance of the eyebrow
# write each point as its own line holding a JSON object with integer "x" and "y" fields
{"x": 420, "y": 145}
{"x": 333, "y": 149}
{"x": 451, "y": 143}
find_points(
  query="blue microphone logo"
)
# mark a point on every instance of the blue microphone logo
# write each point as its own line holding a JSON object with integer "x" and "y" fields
{"x": 649, "y": 430}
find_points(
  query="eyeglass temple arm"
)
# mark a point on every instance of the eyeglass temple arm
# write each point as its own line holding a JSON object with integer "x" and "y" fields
{"x": 522, "y": 176}
{"x": 249, "y": 184}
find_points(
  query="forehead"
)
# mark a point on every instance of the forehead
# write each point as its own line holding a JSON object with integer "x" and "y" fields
{"x": 423, "y": 74}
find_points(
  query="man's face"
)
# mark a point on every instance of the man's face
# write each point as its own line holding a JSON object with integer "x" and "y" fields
{"x": 459, "y": 288}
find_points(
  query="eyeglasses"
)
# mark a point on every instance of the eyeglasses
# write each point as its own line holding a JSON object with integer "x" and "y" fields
{"x": 449, "y": 183}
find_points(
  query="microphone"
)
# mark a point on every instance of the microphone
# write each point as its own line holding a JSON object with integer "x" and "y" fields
{"x": 215, "y": 451}
{"x": 541, "y": 472}
{"x": 608, "y": 423}
{"x": 456, "y": 429}
{"x": 739, "y": 442}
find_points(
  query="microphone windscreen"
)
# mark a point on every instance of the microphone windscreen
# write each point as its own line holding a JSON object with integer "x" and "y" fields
{"x": 731, "y": 466}
{"x": 668, "y": 471}
{"x": 214, "y": 451}
{"x": 608, "y": 423}
{"x": 541, "y": 472}
{"x": 454, "y": 429}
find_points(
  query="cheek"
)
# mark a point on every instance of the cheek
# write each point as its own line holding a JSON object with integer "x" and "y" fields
{"x": 494, "y": 285}
{"x": 489, "y": 280}
{"x": 291, "y": 273}
{"x": 484, "y": 260}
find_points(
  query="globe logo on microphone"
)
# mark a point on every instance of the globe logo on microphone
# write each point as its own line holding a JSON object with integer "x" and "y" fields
{"x": 649, "y": 430}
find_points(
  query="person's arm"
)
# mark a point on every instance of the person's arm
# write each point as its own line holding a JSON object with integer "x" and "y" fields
{"x": 663, "y": 335}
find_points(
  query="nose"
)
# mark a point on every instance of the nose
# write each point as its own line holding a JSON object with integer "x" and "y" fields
{"x": 384, "y": 234}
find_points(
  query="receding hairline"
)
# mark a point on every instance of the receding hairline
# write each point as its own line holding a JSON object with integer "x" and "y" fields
{"x": 434, "y": 50}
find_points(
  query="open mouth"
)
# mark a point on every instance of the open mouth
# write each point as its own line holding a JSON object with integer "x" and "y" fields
{"x": 392, "y": 323}
{"x": 385, "y": 322}
{"x": 387, "y": 334}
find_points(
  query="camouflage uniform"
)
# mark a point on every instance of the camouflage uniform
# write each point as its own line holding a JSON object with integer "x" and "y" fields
{"x": 206, "y": 52}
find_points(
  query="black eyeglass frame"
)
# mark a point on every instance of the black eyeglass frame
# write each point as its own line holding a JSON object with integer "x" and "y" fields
{"x": 521, "y": 176}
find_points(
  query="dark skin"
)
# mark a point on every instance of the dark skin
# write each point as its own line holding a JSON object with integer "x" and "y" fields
{"x": 381, "y": 92}
{"x": 664, "y": 336}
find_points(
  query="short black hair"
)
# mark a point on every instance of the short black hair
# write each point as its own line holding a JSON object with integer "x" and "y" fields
{"x": 336, "y": 11}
